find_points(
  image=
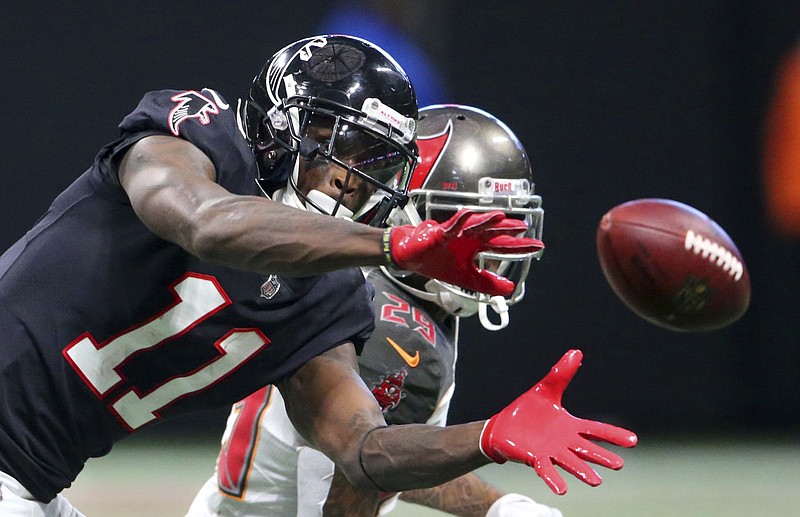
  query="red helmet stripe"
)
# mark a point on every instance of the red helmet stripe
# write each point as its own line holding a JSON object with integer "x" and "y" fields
{"x": 430, "y": 149}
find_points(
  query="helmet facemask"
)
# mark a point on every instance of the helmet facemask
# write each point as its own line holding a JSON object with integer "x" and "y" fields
{"x": 518, "y": 203}
{"x": 469, "y": 159}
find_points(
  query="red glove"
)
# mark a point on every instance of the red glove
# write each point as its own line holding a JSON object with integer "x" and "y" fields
{"x": 446, "y": 251}
{"x": 537, "y": 431}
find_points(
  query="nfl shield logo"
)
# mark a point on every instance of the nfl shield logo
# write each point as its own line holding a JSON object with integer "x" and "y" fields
{"x": 693, "y": 295}
{"x": 270, "y": 287}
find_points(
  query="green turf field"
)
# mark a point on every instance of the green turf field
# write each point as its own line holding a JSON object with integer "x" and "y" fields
{"x": 754, "y": 476}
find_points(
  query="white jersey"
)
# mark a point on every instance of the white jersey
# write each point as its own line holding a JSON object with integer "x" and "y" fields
{"x": 266, "y": 468}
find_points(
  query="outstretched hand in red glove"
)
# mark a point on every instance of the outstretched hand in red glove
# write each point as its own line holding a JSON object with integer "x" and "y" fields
{"x": 446, "y": 251}
{"x": 537, "y": 431}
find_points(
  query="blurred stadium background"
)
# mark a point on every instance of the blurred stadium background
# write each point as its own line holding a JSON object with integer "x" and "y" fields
{"x": 613, "y": 100}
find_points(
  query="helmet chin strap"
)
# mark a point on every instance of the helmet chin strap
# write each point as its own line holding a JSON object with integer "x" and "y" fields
{"x": 448, "y": 300}
{"x": 324, "y": 204}
{"x": 460, "y": 306}
{"x": 498, "y": 303}
{"x": 456, "y": 305}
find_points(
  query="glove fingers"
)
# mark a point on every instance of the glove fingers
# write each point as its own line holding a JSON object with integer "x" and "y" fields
{"x": 508, "y": 226}
{"x": 455, "y": 223}
{"x": 560, "y": 375}
{"x": 590, "y": 451}
{"x": 466, "y": 220}
{"x": 579, "y": 468}
{"x": 510, "y": 244}
{"x": 609, "y": 433}
{"x": 483, "y": 221}
{"x": 490, "y": 283}
{"x": 493, "y": 224}
{"x": 549, "y": 475}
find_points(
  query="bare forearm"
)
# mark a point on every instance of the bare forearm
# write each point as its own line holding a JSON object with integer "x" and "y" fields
{"x": 171, "y": 186}
{"x": 406, "y": 457}
{"x": 466, "y": 496}
{"x": 268, "y": 237}
{"x": 334, "y": 411}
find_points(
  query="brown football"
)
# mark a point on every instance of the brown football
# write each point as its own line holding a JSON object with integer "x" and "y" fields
{"x": 673, "y": 265}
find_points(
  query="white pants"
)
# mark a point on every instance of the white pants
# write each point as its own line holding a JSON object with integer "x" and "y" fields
{"x": 15, "y": 501}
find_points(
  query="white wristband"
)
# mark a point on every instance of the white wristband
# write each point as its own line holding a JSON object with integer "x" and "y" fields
{"x": 518, "y": 505}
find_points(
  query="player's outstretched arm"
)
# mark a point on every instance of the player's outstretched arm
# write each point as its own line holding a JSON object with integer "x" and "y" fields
{"x": 534, "y": 429}
{"x": 332, "y": 409}
{"x": 171, "y": 186}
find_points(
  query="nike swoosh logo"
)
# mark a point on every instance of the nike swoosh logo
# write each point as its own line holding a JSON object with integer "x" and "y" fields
{"x": 411, "y": 360}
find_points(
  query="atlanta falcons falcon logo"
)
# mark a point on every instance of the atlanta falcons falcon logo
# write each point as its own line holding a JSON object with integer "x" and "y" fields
{"x": 191, "y": 104}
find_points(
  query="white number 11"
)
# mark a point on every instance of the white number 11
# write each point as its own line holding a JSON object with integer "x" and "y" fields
{"x": 197, "y": 298}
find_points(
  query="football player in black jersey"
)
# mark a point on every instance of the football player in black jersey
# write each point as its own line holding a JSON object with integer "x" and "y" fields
{"x": 163, "y": 282}
{"x": 467, "y": 158}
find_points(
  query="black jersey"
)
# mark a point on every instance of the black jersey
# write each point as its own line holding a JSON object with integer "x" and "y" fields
{"x": 409, "y": 361}
{"x": 106, "y": 328}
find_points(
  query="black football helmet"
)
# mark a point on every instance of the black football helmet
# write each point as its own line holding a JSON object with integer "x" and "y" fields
{"x": 363, "y": 99}
{"x": 470, "y": 159}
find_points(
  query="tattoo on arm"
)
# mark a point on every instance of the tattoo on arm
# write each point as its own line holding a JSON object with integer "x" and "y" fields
{"x": 466, "y": 496}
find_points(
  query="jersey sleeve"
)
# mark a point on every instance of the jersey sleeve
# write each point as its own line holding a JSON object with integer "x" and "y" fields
{"x": 201, "y": 117}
